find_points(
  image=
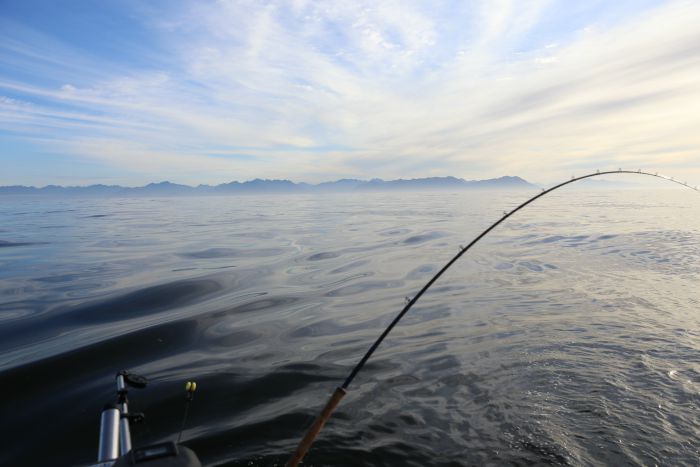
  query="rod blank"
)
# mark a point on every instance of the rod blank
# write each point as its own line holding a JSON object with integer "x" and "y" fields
{"x": 335, "y": 398}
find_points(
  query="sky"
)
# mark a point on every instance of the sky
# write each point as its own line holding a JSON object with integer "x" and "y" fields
{"x": 130, "y": 92}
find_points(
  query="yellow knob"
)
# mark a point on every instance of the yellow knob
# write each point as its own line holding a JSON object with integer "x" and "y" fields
{"x": 190, "y": 386}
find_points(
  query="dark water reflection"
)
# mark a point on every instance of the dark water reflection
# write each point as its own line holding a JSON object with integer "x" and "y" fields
{"x": 569, "y": 337}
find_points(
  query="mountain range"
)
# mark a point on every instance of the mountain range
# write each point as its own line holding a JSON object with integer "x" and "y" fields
{"x": 273, "y": 186}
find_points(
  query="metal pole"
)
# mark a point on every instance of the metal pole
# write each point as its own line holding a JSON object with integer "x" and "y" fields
{"x": 109, "y": 435}
{"x": 124, "y": 431}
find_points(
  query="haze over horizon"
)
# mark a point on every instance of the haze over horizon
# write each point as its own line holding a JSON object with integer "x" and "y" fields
{"x": 127, "y": 93}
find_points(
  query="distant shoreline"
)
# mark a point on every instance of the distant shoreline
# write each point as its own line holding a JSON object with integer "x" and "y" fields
{"x": 260, "y": 186}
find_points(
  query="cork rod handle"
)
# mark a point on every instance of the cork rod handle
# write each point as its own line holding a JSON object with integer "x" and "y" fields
{"x": 310, "y": 435}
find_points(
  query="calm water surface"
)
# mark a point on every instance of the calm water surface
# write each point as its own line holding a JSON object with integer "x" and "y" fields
{"x": 571, "y": 336}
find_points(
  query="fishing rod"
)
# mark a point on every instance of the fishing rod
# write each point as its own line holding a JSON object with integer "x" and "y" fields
{"x": 340, "y": 391}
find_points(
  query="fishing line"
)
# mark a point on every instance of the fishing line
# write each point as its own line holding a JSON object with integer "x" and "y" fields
{"x": 340, "y": 391}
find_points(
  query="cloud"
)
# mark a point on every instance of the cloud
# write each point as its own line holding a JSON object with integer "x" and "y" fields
{"x": 317, "y": 90}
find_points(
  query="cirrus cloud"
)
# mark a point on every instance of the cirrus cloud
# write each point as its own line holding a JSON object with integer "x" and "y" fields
{"x": 321, "y": 90}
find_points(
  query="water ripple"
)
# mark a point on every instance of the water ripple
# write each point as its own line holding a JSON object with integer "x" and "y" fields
{"x": 567, "y": 337}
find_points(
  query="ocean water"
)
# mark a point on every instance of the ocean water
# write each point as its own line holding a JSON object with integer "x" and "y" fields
{"x": 569, "y": 336}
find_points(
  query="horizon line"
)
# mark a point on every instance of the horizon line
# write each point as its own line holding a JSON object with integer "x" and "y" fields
{"x": 258, "y": 179}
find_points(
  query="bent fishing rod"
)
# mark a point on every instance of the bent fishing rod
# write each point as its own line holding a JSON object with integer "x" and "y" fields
{"x": 340, "y": 391}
